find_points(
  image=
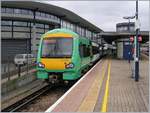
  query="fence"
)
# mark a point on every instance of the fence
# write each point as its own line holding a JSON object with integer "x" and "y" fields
{"x": 9, "y": 69}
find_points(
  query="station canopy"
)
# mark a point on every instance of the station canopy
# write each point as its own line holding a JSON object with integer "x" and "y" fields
{"x": 113, "y": 36}
{"x": 55, "y": 10}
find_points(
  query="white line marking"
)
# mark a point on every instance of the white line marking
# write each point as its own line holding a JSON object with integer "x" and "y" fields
{"x": 62, "y": 97}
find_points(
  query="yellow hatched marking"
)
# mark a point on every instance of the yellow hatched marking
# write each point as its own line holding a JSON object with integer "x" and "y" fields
{"x": 90, "y": 100}
{"x": 105, "y": 99}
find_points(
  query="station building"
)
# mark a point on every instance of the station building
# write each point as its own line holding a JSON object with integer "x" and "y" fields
{"x": 23, "y": 23}
{"x": 125, "y": 27}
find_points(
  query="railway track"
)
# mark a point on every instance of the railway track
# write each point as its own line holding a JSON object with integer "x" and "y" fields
{"x": 19, "y": 104}
{"x": 46, "y": 100}
{"x": 147, "y": 53}
{"x": 57, "y": 89}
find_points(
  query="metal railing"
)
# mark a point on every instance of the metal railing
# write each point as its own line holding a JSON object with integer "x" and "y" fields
{"x": 10, "y": 70}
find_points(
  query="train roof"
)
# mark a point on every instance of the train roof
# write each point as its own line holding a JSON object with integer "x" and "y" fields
{"x": 65, "y": 31}
{"x": 61, "y": 30}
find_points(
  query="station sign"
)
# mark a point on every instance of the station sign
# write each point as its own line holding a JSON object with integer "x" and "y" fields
{"x": 140, "y": 38}
{"x": 132, "y": 38}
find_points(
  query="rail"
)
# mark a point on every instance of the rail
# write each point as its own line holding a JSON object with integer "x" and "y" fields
{"x": 21, "y": 103}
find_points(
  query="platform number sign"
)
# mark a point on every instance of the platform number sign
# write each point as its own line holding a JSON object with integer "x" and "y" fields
{"x": 132, "y": 39}
{"x": 140, "y": 38}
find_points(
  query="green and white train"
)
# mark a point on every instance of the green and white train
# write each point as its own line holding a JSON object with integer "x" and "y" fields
{"x": 64, "y": 55}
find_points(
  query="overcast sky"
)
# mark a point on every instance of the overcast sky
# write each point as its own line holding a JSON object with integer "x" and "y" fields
{"x": 105, "y": 14}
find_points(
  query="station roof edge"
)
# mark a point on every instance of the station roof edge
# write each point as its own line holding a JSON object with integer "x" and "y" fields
{"x": 52, "y": 9}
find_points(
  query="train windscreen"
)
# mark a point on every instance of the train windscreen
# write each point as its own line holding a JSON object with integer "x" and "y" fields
{"x": 57, "y": 48}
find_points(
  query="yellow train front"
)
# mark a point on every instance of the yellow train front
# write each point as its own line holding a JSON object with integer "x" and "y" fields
{"x": 63, "y": 55}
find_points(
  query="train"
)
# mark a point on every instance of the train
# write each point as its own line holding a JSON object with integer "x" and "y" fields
{"x": 64, "y": 55}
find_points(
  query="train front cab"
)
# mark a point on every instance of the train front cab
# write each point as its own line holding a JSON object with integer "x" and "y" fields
{"x": 66, "y": 68}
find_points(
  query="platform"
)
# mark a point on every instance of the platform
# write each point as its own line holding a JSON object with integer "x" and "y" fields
{"x": 107, "y": 87}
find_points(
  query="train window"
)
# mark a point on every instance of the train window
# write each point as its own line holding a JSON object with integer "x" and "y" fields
{"x": 81, "y": 50}
{"x": 57, "y": 47}
{"x": 87, "y": 51}
{"x": 95, "y": 50}
{"x": 84, "y": 50}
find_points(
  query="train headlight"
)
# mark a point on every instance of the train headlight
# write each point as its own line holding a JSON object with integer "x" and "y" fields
{"x": 70, "y": 65}
{"x": 41, "y": 65}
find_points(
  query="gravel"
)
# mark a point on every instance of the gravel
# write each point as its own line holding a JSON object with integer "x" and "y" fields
{"x": 43, "y": 102}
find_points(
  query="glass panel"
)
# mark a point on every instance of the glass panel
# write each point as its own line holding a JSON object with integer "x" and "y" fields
{"x": 47, "y": 15}
{"x": 125, "y": 28}
{"x": 6, "y": 22}
{"x": 39, "y": 30}
{"x": 43, "y": 14}
{"x": 6, "y": 35}
{"x": 71, "y": 26}
{"x": 6, "y": 28}
{"x": 52, "y": 17}
{"x": 3, "y": 10}
{"x": 55, "y": 17}
{"x": 74, "y": 27}
{"x": 132, "y": 28}
{"x": 39, "y": 35}
{"x": 25, "y": 29}
{"x": 23, "y": 11}
{"x": 57, "y": 47}
{"x": 31, "y": 24}
{"x": 21, "y": 35}
{"x": 47, "y": 26}
{"x": 78, "y": 29}
{"x": 9, "y": 10}
{"x": 38, "y": 14}
{"x": 58, "y": 19}
{"x": 39, "y": 25}
{"x": 68, "y": 25}
{"x": 17, "y": 11}
{"x": 30, "y": 12}
{"x": 19, "y": 56}
{"x": 19, "y": 23}
{"x": 46, "y": 30}
{"x": 63, "y": 24}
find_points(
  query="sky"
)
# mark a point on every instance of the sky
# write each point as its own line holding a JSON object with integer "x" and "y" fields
{"x": 106, "y": 14}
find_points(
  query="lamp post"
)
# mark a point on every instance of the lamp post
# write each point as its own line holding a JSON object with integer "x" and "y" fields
{"x": 137, "y": 27}
{"x": 136, "y": 43}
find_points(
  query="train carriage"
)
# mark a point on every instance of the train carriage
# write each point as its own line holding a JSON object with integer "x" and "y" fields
{"x": 96, "y": 52}
{"x": 63, "y": 55}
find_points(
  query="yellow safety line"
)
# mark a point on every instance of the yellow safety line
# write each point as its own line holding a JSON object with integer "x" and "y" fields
{"x": 105, "y": 99}
{"x": 89, "y": 102}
